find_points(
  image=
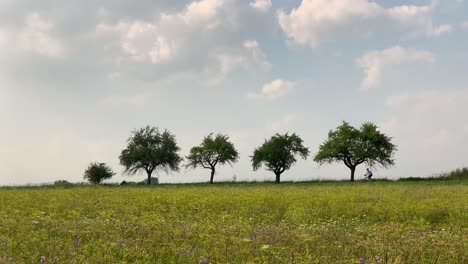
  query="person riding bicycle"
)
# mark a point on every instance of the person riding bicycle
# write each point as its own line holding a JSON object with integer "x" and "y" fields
{"x": 368, "y": 175}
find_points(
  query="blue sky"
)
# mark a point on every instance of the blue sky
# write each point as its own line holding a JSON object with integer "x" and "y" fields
{"x": 77, "y": 77}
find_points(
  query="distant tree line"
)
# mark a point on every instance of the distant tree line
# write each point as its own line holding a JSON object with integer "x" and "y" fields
{"x": 149, "y": 150}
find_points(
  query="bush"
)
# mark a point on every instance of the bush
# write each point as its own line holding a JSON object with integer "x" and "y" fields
{"x": 97, "y": 172}
{"x": 63, "y": 183}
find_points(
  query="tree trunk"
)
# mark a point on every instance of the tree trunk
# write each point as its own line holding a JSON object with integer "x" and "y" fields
{"x": 278, "y": 175}
{"x": 212, "y": 175}
{"x": 149, "y": 177}
{"x": 353, "y": 170}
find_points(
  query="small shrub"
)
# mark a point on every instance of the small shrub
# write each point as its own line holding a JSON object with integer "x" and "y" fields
{"x": 154, "y": 181}
{"x": 97, "y": 172}
{"x": 413, "y": 179}
{"x": 62, "y": 183}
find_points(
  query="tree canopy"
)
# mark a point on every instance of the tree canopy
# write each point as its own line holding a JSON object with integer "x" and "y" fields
{"x": 279, "y": 153}
{"x": 213, "y": 151}
{"x": 150, "y": 150}
{"x": 354, "y": 146}
{"x": 97, "y": 172}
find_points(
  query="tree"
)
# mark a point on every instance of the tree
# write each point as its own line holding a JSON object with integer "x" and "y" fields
{"x": 149, "y": 150}
{"x": 97, "y": 172}
{"x": 278, "y": 153}
{"x": 211, "y": 152}
{"x": 356, "y": 146}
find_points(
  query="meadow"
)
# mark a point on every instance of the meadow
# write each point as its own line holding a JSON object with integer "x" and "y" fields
{"x": 319, "y": 222}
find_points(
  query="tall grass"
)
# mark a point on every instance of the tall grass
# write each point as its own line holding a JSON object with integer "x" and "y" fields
{"x": 460, "y": 174}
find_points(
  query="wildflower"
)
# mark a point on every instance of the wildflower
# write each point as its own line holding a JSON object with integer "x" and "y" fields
{"x": 378, "y": 258}
{"x": 76, "y": 240}
{"x": 43, "y": 259}
{"x": 205, "y": 260}
{"x": 360, "y": 259}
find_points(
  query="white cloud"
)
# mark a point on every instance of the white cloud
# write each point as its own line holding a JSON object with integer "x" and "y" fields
{"x": 141, "y": 41}
{"x": 273, "y": 90}
{"x": 161, "y": 40}
{"x": 317, "y": 21}
{"x": 226, "y": 62}
{"x": 229, "y": 62}
{"x": 257, "y": 54}
{"x": 374, "y": 62}
{"x": 441, "y": 30}
{"x": 218, "y": 65}
{"x": 192, "y": 41}
{"x": 162, "y": 50}
{"x": 35, "y": 35}
{"x": 261, "y": 5}
{"x": 202, "y": 11}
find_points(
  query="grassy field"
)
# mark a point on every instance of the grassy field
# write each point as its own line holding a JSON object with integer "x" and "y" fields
{"x": 329, "y": 222}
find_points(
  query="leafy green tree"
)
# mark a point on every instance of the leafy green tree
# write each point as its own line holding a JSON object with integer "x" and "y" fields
{"x": 354, "y": 146}
{"x": 278, "y": 153}
{"x": 97, "y": 172}
{"x": 212, "y": 151}
{"x": 150, "y": 150}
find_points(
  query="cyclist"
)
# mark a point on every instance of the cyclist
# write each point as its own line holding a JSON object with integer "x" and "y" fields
{"x": 368, "y": 175}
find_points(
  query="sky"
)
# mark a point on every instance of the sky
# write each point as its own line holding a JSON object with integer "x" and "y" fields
{"x": 76, "y": 77}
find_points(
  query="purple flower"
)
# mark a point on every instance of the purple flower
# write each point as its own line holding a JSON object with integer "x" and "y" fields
{"x": 43, "y": 259}
{"x": 76, "y": 240}
{"x": 205, "y": 260}
{"x": 360, "y": 259}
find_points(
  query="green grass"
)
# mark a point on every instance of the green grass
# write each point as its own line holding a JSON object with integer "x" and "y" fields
{"x": 323, "y": 222}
